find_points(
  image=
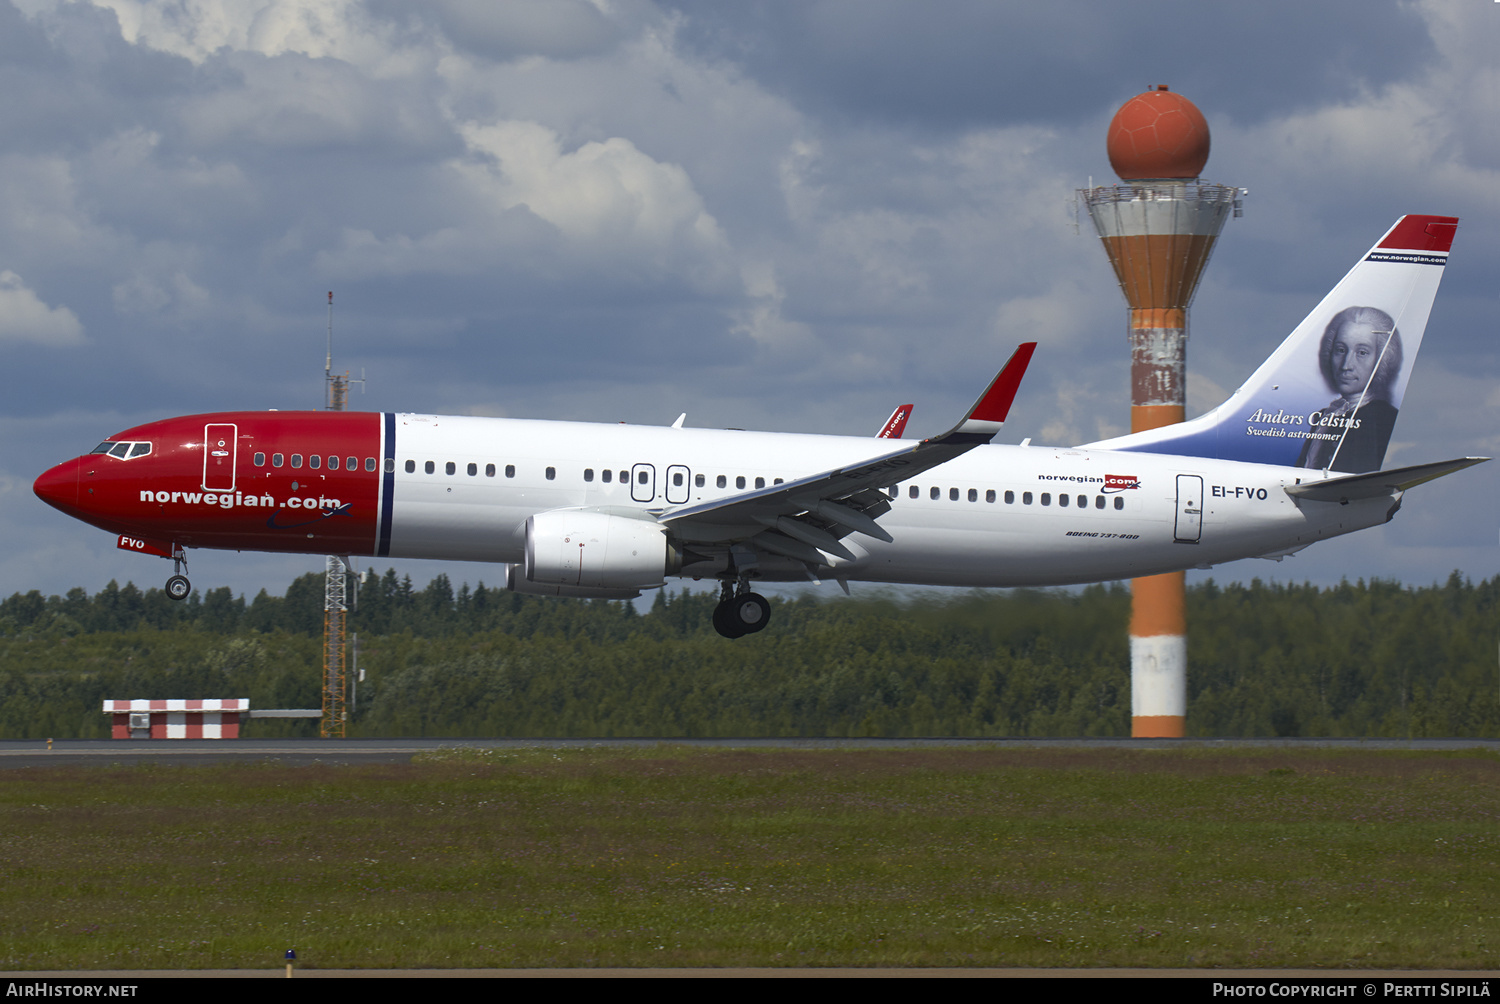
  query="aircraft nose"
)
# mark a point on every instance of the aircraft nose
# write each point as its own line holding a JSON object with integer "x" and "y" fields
{"x": 59, "y": 486}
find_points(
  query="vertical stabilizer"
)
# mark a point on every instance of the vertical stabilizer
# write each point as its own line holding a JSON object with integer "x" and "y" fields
{"x": 1328, "y": 398}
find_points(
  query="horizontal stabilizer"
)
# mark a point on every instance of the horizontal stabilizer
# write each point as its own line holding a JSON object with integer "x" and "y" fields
{"x": 1377, "y": 483}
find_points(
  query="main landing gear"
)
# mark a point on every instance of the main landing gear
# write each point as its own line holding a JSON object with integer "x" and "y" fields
{"x": 740, "y": 612}
{"x": 178, "y": 586}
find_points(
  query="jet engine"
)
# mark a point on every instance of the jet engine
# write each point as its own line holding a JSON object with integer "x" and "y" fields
{"x": 584, "y": 549}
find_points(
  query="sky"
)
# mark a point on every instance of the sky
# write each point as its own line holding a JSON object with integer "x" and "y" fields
{"x": 786, "y": 216}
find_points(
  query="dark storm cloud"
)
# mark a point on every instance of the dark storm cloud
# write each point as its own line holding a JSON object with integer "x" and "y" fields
{"x": 71, "y": 80}
{"x": 969, "y": 63}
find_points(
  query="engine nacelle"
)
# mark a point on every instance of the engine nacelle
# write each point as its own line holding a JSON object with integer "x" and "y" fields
{"x": 515, "y": 581}
{"x": 586, "y": 549}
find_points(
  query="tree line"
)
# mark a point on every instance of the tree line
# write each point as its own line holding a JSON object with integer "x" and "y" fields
{"x": 1359, "y": 659}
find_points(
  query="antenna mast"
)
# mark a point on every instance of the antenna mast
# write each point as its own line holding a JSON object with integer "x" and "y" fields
{"x": 335, "y": 584}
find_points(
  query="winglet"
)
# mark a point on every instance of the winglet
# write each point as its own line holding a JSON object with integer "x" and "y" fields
{"x": 896, "y": 424}
{"x": 993, "y": 406}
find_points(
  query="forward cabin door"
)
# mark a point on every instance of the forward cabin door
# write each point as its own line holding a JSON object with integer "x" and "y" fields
{"x": 219, "y": 442}
{"x": 1189, "y": 509}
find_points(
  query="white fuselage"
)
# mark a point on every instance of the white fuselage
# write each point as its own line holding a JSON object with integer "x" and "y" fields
{"x": 993, "y": 517}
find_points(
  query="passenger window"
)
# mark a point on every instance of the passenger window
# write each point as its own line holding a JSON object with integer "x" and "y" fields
{"x": 1119, "y": 502}
{"x": 510, "y": 470}
{"x": 721, "y": 482}
{"x": 641, "y": 477}
{"x": 314, "y": 461}
{"x": 677, "y": 479}
{"x": 429, "y": 467}
{"x": 1010, "y": 498}
{"x": 277, "y": 460}
{"x": 1083, "y": 501}
{"x": 776, "y": 482}
{"x": 588, "y": 474}
{"x": 893, "y": 491}
{"x": 351, "y": 463}
{"x": 296, "y": 460}
{"x": 973, "y": 494}
{"x": 369, "y": 463}
{"x": 390, "y": 465}
{"x": 760, "y": 482}
{"x": 1098, "y": 501}
{"x": 552, "y": 474}
{"x": 739, "y": 482}
{"x": 608, "y": 476}
{"x": 450, "y": 468}
{"x": 260, "y": 460}
{"x": 914, "y": 491}
{"x": 333, "y": 463}
{"x": 935, "y": 493}
{"x": 411, "y": 467}
{"x": 952, "y": 494}
{"x": 489, "y": 470}
{"x": 139, "y": 450}
{"x": 1062, "y": 500}
{"x": 698, "y": 480}
{"x": 473, "y": 470}
{"x": 989, "y": 496}
{"x": 1046, "y": 498}
{"x": 1026, "y": 498}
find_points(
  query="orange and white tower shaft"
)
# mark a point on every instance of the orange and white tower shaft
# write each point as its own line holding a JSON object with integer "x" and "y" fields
{"x": 1159, "y": 228}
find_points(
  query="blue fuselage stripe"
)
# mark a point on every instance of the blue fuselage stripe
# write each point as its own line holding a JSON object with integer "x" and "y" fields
{"x": 388, "y": 485}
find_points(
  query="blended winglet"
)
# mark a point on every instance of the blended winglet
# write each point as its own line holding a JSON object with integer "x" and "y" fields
{"x": 993, "y": 407}
{"x": 896, "y": 424}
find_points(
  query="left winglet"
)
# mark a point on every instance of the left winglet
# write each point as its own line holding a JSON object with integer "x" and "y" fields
{"x": 896, "y": 424}
{"x": 993, "y": 407}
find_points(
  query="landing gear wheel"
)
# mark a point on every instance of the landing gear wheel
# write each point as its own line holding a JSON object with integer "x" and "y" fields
{"x": 744, "y": 614}
{"x": 724, "y": 621}
{"x": 751, "y": 611}
{"x": 178, "y": 587}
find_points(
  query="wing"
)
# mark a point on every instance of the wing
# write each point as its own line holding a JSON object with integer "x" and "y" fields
{"x": 1377, "y": 483}
{"x": 804, "y": 519}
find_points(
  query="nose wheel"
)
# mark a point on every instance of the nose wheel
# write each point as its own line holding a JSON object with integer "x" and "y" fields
{"x": 178, "y": 586}
{"x": 740, "y": 612}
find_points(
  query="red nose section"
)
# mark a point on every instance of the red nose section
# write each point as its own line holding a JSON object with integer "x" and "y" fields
{"x": 59, "y": 487}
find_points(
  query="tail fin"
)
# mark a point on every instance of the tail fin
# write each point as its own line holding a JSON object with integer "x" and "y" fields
{"x": 1327, "y": 399}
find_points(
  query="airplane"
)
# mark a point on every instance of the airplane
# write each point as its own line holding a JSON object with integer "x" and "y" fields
{"x": 605, "y": 511}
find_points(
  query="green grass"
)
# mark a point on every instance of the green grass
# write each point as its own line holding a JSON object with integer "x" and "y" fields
{"x": 674, "y": 857}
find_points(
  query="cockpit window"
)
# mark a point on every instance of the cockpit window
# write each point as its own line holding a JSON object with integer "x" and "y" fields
{"x": 124, "y": 451}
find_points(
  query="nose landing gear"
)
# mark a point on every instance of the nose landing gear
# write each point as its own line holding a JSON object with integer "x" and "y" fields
{"x": 740, "y": 612}
{"x": 178, "y": 586}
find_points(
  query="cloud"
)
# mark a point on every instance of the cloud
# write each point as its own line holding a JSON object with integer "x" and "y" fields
{"x": 606, "y": 198}
{"x": 25, "y": 318}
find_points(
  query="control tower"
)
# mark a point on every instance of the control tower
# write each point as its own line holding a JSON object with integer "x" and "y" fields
{"x": 1158, "y": 228}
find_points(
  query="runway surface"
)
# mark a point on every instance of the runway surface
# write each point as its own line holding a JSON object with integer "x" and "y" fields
{"x": 34, "y": 752}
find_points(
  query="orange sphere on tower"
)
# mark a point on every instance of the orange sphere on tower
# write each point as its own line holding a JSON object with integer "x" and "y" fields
{"x": 1158, "y": 134}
